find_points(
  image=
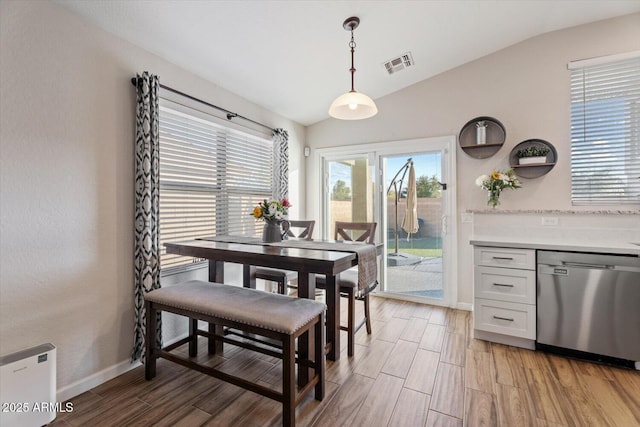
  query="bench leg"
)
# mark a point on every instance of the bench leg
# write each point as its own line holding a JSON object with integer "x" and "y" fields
{"x": 288, "y": 382}
{"x": 215, "y": 346}
{"x": 319, "y": 357}
{"x": 193, "y": 342}
{"x": 150, "y": 342}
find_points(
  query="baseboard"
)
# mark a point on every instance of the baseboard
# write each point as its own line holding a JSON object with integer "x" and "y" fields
{"x": 464, "y": 306}
{"x": 72, "y": 390}
{"x": 86, "y": 384}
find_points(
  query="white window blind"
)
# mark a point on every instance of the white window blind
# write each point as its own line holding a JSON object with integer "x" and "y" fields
{"x": 211, "y": 177}
{"x": 605, "y": 131}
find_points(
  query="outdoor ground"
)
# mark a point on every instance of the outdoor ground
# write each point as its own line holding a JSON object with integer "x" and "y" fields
{"x": 423, "y": 278}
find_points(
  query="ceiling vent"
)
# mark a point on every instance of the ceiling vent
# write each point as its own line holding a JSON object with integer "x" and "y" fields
{"x": 400, "y": 63}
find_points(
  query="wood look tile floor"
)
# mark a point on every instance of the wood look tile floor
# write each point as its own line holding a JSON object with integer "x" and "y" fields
{"x": 420, "y": 367}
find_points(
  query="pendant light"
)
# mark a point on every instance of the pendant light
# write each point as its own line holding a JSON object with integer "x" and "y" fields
{"x": 352, "y": 105}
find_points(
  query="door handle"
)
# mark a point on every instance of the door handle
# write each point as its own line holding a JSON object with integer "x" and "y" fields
{"x": 507, "y": 258}
{"x": 503, "y": 318}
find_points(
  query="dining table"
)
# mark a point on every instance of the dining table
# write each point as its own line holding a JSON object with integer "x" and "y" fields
{"x": 306, "y": 257}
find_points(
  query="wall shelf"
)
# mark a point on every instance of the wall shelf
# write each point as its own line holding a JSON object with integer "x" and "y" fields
{"x": 495, "y": 137}
{"x": 534, "y": 170}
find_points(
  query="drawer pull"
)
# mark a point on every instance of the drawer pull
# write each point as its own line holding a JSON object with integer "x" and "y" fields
{"x": 507, "y": 258}
{"x": 503, "y": 318}
{"x": 506, "y": 285}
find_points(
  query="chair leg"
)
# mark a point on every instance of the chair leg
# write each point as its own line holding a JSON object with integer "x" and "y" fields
{"x": 367, "y": 313}
{"x": 282, "y": 286}
{"x": 351, "y": 323}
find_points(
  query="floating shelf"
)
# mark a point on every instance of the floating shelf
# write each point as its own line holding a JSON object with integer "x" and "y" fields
{"x": 495, "y": 137}
{"x": 534, "y": 170}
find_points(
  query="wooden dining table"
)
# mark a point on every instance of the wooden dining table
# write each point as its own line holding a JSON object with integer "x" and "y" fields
{"x": 251, "y": 253}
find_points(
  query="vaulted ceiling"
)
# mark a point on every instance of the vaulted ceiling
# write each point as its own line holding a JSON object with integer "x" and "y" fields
{"x": 292, "y": 57}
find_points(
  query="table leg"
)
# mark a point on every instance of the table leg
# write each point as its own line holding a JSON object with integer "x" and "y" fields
{"x": 333, "y": 317}
{"x": 216, "y": 274}
{"x": 249, "y": 276}
{"x": 216, "y": 271}
{"x": 306, "y": 289}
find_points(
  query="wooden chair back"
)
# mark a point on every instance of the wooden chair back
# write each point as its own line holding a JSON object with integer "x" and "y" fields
{"x": 356, "y": 231}
{"x": 302, "y": 229}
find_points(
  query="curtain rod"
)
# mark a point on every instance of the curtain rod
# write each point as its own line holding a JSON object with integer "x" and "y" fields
{"x": 230, "y": 114}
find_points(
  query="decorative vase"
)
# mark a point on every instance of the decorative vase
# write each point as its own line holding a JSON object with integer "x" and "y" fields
{"x": 275, "y": 230}
{"x": 481, "y": 132}
{"x": 494, "y": 198}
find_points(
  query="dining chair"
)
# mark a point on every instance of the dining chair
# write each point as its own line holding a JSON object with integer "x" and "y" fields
{"x": 302, "y": 229}
{"x": 348, "y": 281}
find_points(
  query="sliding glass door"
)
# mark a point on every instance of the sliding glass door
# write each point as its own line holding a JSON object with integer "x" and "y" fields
{"x": 358, "y": 184}
{"x": 413, "y": 213}
{"x": 348, "y": 194}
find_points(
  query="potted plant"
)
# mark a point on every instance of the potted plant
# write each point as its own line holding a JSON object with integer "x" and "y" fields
{"x": 532, "y": 155}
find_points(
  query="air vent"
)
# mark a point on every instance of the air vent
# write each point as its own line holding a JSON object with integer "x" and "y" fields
{"x": 400, "y": 63}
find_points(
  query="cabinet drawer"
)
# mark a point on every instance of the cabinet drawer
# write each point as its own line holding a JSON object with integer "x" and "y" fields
{"x": 505, "y": 284}
{"x": 518, "y": 320}
{"x": 505, "y": 257}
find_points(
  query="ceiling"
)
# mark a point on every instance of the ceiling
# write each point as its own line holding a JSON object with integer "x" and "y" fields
{"x": 292, "y": 57}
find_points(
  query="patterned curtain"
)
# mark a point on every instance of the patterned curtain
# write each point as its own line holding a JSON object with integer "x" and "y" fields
{"x": 281, "y": 163}
{"x": 147, "y": 243}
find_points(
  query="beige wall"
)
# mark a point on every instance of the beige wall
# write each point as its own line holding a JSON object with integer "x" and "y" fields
{"x": 525, "y": 86}
{"x": 66, "y": 179}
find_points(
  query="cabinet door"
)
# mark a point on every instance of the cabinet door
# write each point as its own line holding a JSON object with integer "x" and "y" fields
{"x": 505, "y": 257}
{"x": 505, "y": 284}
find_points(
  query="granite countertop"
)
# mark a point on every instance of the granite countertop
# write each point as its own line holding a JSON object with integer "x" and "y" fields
{"x": 625, "y": 248}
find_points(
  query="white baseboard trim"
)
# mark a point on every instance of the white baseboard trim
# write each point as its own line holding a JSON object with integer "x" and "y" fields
{"x": 465, "y": 306}
{"x": 72, "y": 390}
{"x": 94, "y": 380}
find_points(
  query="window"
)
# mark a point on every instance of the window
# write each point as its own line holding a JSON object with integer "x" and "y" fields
{"x": 605, "y": 130}
{"x": 211, "y": 176}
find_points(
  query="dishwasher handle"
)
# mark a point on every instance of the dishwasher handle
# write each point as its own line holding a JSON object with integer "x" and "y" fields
{"x": 587, "y": 265}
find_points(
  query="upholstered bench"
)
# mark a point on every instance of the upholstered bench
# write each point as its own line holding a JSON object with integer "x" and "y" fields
{"x": 273, "y": 316}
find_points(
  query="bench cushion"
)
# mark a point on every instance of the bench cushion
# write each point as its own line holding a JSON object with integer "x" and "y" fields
{"x": 275, "y": 312}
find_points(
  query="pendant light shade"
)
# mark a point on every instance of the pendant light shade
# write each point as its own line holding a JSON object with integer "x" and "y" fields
{"x": 352, "y": 105}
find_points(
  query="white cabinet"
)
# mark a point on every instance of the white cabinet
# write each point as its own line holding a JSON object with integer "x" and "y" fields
{"x": 505, "y": 295}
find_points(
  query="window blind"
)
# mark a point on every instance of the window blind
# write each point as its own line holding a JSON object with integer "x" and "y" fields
{"x": 605, "y": 132}
{"x": 211, "y": 177}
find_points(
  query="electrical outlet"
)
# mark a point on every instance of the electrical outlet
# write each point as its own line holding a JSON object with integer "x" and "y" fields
{"x": 550, "y": 220}
{"x": 466, "y": 217}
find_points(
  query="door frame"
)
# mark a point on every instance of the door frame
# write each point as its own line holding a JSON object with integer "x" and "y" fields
{"x": 392, "y": 148}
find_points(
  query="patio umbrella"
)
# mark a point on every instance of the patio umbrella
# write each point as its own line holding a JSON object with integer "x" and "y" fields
{"x": 410, "y": 222}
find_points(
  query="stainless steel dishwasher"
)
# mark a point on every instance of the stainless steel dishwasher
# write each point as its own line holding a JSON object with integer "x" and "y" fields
{"x": 589, "y": 306}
